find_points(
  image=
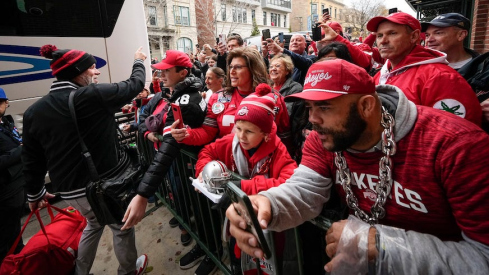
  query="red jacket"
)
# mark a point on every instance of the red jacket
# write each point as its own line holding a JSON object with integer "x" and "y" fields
{"x": 280, "y": 167}
{"x": 219, "y": 120}
{"x": 426, "y": 79}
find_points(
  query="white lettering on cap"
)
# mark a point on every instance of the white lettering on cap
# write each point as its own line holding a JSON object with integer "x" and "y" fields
{"x": 314, "y": 78}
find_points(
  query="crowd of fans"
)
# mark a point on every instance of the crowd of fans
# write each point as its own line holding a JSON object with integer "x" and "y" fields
{"x": 304, "y": 126}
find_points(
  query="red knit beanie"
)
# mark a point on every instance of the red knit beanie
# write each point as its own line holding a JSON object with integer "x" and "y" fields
{"x": 258, "y": 108}
{"x": 67, "y": 64}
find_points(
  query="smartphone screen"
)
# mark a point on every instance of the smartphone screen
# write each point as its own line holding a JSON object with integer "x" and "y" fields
{"x": 316, "y": 33}
{"x": 222, "y": 38}
{"x": 281, "y": 37}
{"x": 266, "y": 34}
{"x": 326, "y": 11}
{"x": 243, "y": 207}
{"x": 177, "y": 114}
{"x": 158, "y": 73}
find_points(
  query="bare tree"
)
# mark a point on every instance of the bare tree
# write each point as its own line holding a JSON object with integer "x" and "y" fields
{"x": 209, "y": 15}
{"x": 205, "y": 17}
{"x": 363, "y": 10}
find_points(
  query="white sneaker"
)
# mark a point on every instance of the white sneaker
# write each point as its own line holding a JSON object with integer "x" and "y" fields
{"x": 141, "y": 264}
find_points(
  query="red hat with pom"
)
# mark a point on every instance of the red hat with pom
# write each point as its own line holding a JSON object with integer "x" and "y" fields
{"x": 67, "y": 64}
{"x": 258, "y": 108}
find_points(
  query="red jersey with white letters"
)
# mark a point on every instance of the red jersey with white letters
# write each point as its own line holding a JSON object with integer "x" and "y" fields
{"x": 440, "y": 173}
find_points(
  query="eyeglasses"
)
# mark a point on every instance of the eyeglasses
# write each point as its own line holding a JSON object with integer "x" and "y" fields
{"x": 275, "y": 66}
{"x": 236, "y": 67}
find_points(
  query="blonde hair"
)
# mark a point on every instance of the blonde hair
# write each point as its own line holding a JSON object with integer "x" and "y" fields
{"x": 289, "y": 65}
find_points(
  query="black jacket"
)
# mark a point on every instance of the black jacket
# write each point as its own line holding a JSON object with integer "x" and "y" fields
{"x": 193, "y": 107}
{"x": 51, "y": 141}
{"x": 296, "y": 112}
{"x": 11, "y": 176}
{"x": 150, "y": 108}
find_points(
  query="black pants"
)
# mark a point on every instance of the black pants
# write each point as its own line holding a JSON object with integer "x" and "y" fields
{"x": 11, "y": 211}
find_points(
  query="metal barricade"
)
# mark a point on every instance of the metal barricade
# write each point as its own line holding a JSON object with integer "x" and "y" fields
{"x": 194, "y": 211}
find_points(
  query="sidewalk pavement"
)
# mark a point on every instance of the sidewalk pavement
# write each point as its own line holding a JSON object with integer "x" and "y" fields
{"x": 154, "y": 237}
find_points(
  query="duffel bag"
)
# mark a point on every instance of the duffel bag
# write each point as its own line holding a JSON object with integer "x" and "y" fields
{"x": 52, "y": 250}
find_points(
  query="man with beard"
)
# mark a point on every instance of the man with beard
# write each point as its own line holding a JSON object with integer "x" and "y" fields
{"x": 400, "y": 167}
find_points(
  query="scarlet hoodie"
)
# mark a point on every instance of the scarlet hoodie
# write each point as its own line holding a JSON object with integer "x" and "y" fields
{"x": 426, "y": 79}
{"x": 271, "y": 164}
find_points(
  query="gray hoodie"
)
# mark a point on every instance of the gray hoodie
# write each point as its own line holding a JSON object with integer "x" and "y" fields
{"x": 301, "y": 198}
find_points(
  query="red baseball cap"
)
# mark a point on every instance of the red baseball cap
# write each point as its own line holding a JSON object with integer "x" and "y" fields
{"x": 335, "y": 26}
{"x": 333, "y": 78}
{"x": 173, "y": 58}
{"x": 400, "y": 18}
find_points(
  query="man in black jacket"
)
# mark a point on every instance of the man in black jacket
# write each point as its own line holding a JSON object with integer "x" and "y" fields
{"x": 185, "y": 92}
{"x": 11, "y": 181}
{"x": 51, "y": 144}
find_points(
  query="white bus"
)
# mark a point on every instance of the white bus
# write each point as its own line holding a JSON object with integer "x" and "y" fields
{"x": 110, "y": 30}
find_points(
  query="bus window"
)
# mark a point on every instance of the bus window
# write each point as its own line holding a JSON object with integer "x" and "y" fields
{"x": 59, "y": 18}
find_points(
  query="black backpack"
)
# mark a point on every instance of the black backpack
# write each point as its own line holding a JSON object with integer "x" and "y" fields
{"x": 476, "y": 72}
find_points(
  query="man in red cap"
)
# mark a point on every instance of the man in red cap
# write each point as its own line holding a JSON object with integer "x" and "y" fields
{"x": 400, "y": 165}
{"x": 50, "y": 143}
{"x": 421, "y": 73}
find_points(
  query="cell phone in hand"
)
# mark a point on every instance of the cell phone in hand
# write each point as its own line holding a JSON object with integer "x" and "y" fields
{"x": 158, "y": 73}
{"x": 316, "y": 33}
{"x": 222, "y": 38}
{"x": 266, "y": 34}
{"x": 325, "y": 11}
{"x": 281, "y": 37}
{"x": 243, "y": 207}
{"x": 177, "y": 114}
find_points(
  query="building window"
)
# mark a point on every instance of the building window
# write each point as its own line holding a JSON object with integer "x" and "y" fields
{"x": 152, "y": 15}
{"x": 165, "y": 15}
{"x": 181, "y": 15}
{"x": 278, "y": 20}
{"x": 239, "y": 15}
{"x": 285, "y": 20}
{"x": 314, "y": 8}
{"x": 322, "y": 7}
{"x": 223, "y": 12}
{"x": 334, "y": 12}
{"x": 184, "y": 44}
{"x": 273, "y": 19}
{"x": 166, "y": 42}
{"x": 252, "y": 15}
{"x": 264, "y": 18}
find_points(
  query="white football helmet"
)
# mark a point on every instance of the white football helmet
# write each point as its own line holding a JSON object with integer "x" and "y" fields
{"x": 215, "y": 175}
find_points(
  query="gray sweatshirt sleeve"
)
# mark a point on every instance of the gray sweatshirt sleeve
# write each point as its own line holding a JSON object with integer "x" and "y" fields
{"x": 409, "y": 252}
{"x": 299, "y": 199}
